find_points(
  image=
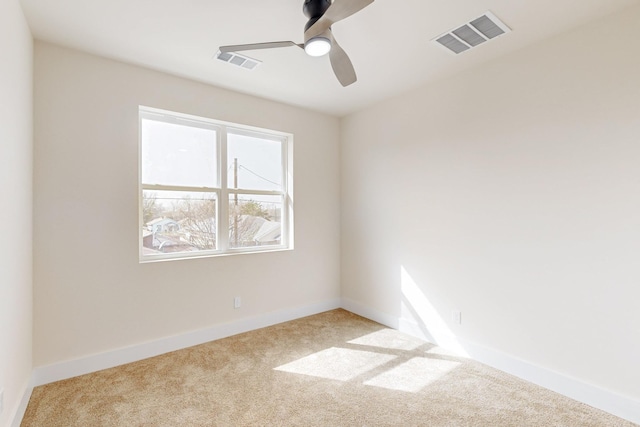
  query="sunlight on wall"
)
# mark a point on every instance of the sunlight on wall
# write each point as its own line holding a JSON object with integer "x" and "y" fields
{"x": 416, "y": 307}
{"x": 337, "y": 363}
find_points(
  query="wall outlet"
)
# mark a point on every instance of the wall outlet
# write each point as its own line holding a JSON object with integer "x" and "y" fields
{"x": 1, "y": 400}
{"x": 237, "y": 302}
{"x": 456, "y": 317}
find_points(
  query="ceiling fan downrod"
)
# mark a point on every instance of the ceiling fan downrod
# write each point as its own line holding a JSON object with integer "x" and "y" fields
{"x": 314, "y": 9}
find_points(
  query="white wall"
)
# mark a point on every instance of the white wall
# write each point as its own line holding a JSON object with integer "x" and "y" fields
{"x": 512, "y": 193}
{"x": 16, "y": 111}
{"x": 90, "y": 293}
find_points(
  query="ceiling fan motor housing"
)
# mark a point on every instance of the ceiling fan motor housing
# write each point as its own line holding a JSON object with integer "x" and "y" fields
{"x": 322, "y": 15}
{"x": 314, "y": 9}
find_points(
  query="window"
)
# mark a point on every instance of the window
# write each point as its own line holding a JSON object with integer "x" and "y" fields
{"x": 211, "y": 188}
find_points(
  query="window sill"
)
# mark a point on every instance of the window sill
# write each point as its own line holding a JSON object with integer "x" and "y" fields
{"x": 182, "y": 257}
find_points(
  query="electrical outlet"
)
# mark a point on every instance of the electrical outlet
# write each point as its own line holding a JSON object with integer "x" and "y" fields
{"x": 1, "y": 400}
{"x": 237, "y": 302}
{"x": 456, "y": 317}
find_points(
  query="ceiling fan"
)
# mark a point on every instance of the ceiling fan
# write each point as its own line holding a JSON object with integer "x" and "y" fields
{"x": 318, "y": 38}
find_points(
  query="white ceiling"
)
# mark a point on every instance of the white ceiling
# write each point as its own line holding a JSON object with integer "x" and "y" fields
{"x": 389, "y": 42}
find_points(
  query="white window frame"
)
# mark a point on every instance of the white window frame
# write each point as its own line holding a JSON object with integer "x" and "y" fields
{"x": 223, "y": 192}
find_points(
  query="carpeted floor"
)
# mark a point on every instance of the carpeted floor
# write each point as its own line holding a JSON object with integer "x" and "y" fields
{"x": 331, "y": 369}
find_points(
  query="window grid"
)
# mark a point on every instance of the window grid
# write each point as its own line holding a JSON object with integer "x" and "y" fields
{"x": 222, "y": 192}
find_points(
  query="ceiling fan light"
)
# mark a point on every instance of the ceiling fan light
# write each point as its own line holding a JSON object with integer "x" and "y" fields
{"x": 317, "y": 46}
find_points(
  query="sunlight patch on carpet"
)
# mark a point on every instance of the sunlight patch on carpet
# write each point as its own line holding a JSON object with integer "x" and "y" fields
{"x": 444, "y": 352}
{"x": 413, "y": 375}
{"x": 337, "y": 363}
{"x": 388, "y": 338}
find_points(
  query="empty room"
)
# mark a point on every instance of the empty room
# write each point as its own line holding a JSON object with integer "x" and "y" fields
{"x": 317, "y": 213}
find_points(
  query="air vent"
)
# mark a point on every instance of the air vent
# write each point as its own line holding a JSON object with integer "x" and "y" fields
{"x": 473, "y": 33}
{"x": 239, "y": 60}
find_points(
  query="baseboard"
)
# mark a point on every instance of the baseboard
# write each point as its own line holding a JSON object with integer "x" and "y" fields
{"x": 97, "y": 362}
{"x": 597, "y": 397}
{"x": 22, "y": 407}
{"x": 606, "y": 400}
{"x": 371, "y": 314}
{"x": 621, "y": 406}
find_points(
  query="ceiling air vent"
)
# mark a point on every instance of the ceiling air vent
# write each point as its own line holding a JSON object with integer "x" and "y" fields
{"x": 473, "y": 33}
{"x": 239, "y": 60}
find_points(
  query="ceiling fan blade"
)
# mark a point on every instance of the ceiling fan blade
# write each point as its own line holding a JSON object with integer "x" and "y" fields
{"x": 341, "y": 64}
{"x": 254, "y": 46}
{"x": 338, "y": 11}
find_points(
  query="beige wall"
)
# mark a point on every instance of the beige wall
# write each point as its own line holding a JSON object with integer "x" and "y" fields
{"x": 512, "y": 193}
{"x": 16, "y": 108}
{"x": 91, "y": 294}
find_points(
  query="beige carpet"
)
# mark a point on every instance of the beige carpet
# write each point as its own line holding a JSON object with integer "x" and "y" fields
{"x": 332, "y": 369}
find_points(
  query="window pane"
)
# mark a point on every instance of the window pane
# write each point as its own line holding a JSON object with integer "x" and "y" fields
{"x": 178, "y": 221}
{"x": 254, "y": 220}
{"x": 254, "y": 163}
{"x": 178, "y": 155}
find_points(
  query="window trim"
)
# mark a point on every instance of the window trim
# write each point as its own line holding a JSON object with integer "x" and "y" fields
{"x": 222, "y": 191}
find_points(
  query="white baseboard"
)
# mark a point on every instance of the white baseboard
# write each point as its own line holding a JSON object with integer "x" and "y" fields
{"x": 97, "y": 362}
{"x": 597, "y": 397}
{"x": 371, "y": 314}
{"x": 606, "y": 400}
{"x": 22, "y": 407}
{"x": 621, "y": 406}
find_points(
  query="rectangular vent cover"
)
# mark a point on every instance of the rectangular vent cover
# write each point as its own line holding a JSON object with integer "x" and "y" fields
{"x": 473, "y": 33}
{"x": 239, "y": 60}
